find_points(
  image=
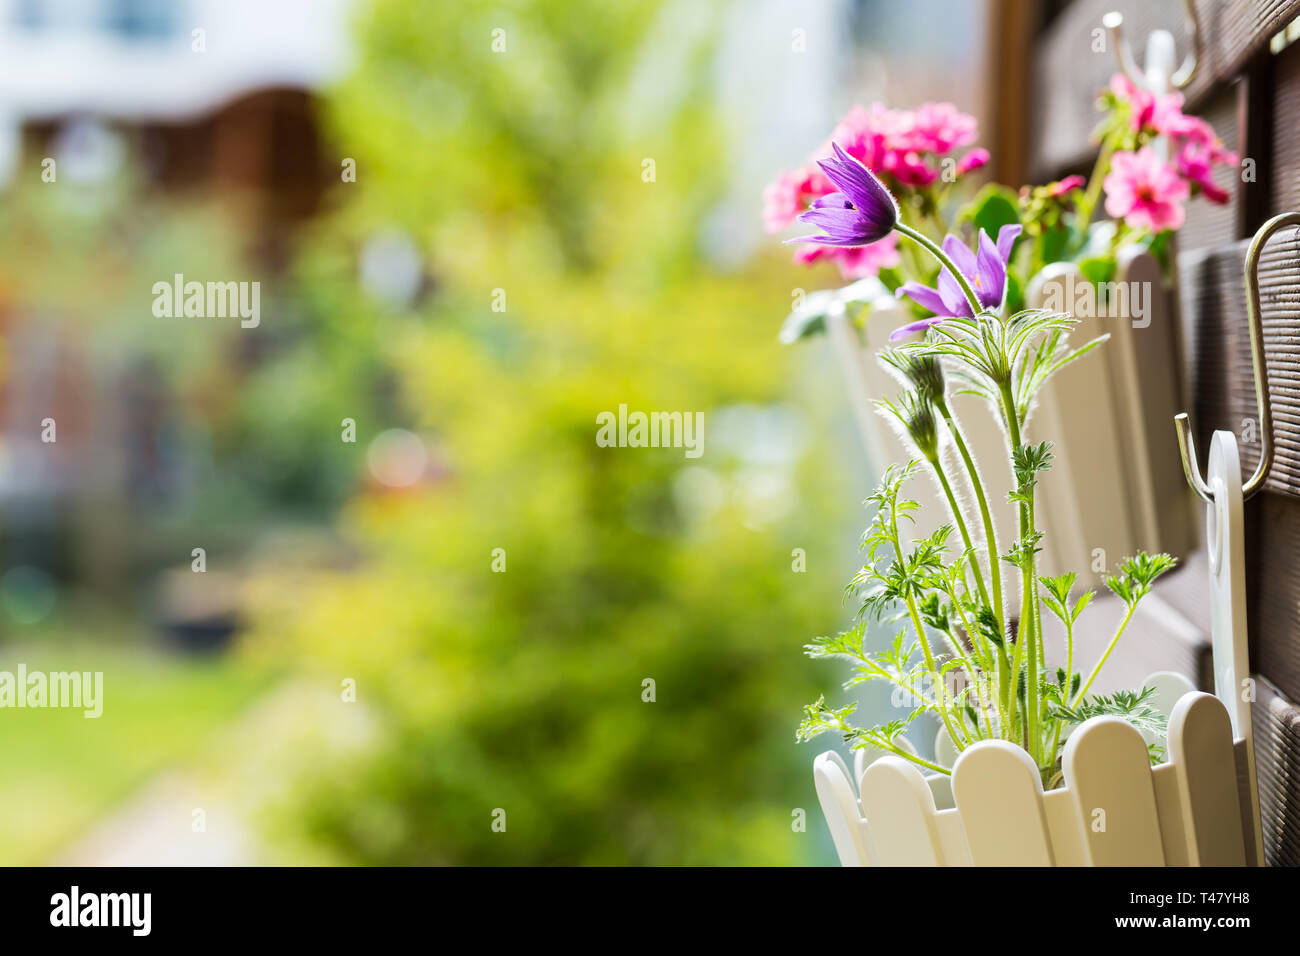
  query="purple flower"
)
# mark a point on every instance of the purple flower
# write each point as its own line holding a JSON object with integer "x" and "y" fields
{"x": 985, "y": 270}
{"x": 862, "y": 212}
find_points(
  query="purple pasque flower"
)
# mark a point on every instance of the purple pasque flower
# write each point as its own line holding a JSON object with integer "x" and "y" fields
{"x": 985, "y": 271}
{"x": 862, "y": 212}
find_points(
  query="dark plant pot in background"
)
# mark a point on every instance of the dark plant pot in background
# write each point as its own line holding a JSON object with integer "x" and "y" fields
{"x": 198, "y": 611}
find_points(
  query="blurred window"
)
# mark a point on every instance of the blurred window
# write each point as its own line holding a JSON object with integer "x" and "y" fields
{"x": 30, "y": 14}
{"x": 126, "y": 19}
{"x": 142, "y": 19}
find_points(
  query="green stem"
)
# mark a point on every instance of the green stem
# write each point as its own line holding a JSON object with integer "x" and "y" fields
{"x": 986, "y": 517}
{"x": 1093, "y": 192}
{"x": 921, "y": 761}
{"x": 931, "y": 247}
{"x": 1033, "y": 686}
{"x": 1027, "y": 636}
{"x": 1109, "y": 647}
{"x": 959, "y": 519}
{"x": 981, "y": 687}
{"x": 941, "y": 689}
{"x": 1069, "y": 679}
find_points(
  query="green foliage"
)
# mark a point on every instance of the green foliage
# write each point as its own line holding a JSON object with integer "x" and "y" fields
{"x": 524, "y": 690}
{"x": 1132, "y": 706}
{"x": 1136, "y": 575}
{"x": 993, "y": 207}
{"x": 1057, "y": 598}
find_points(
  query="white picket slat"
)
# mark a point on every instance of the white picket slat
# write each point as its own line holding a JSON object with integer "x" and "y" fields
{"x": 999, "y": 796}
{"x": 1108, "y": 770}
{"x": 901, "y": 815}
{"x": 945, "y": 752}
{"x": 841, "y": 810}
{"x": 1169, "y": 687}
{"x": 1246, "y": 791}
{"x": 863, "y": 757}
{"x": 1063, "y": 824}
{"x": 952, "y": 836}
{"x": 1200, "y": 749}
{"x": 1169, "y": 805}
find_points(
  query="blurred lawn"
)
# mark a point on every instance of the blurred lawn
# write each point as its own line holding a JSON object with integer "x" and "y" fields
{"x": 158, "y": 709}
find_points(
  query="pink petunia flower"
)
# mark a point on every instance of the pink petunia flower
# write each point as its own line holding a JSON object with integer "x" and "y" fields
{"x": 975, "y": 159}
{"x": 909, "y": 168}
{"x": 1144, "y": 191}
{"x": 782, "y": 201}
{"x": 1063, "y": 187}
{"x": 1161, "y": 114}
{"x": 855, "y": 262}
{"x": 1195, "y": 163}
{"x": 940, "y": 128}
{"x": 1193, "y": 129}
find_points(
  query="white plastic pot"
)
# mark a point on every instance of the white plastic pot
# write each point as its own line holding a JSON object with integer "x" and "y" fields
{"x": 1114, "y": 808}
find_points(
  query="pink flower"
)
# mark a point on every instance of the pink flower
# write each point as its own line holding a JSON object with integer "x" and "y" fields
{"x": 908, "y": 168}
{"x": 940, "y": 128}
{"x": 1195, "y": 162}
{"x": 1058, "y": 189}
{"x": 1161, "y": 114}
{"x": 975, "y": 159}
{"x": 903, "y": 143}
{"x": 782, "y": 202}
{"x": 1145, "y": 192}
{"x": 855, "y": 262}
{"x": 1194, "y": 130}
{"x": 861, "y": 262}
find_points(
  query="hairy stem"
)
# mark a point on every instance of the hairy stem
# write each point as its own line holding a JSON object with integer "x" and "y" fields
{"x": 1109, "y": 647}
{"x": 941, "y": 689}
{"x": 1027, "y": 633}
{"x": 919, "y": 761}
{"x": 986, "y": 518}
{"x": 1033, "y": 689}
{"x": 931, "y": 247}
{"x": 959, "y": 519}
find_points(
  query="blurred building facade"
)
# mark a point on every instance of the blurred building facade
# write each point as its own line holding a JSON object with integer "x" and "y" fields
{"x": 165, "y": 99}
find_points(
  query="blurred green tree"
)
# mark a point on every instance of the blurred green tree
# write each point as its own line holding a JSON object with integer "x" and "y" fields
{"x": 523, "y": 171}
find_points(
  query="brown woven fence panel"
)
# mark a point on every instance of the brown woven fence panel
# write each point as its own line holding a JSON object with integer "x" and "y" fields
{"x": 1275, "y": 590}
{"x": 1068, "y": 73}
{"x": 1210, "y": 224}
{"x": 1283, "y": 174}
{"x": 1277, "y": 756}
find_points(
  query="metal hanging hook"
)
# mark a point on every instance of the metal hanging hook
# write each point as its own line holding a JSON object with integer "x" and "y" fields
{"x": 1186, "y": 444}
{"x": 1159, "y": 76}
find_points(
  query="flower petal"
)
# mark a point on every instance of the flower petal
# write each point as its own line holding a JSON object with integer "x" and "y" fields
{"x": 1008, "y": 234}
{"x": 917, "y": 326}
{"x": 992, "y": 279}
{"x": 960, "y": 254}
{"x": 923, "y": 296}
{"x": 954, "y": 299}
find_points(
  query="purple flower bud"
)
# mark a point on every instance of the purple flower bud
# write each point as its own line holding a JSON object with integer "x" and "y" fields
{"x": 862, "y": 212}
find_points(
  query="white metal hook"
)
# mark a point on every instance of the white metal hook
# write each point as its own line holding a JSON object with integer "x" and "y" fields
{"x": 1157, "y": 73}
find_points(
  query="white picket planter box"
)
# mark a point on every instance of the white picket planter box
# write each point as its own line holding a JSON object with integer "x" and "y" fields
{"x": 1114, "y": 809}
{"x": 1116, "y": 485}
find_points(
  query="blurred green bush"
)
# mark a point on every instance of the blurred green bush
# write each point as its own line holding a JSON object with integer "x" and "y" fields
{"x": 522, "y": 690}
